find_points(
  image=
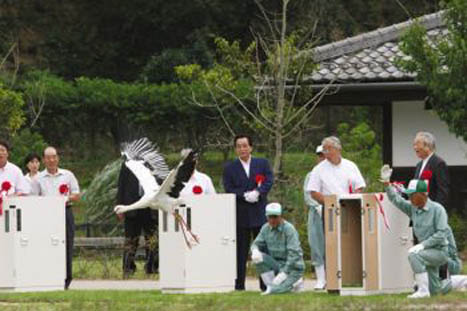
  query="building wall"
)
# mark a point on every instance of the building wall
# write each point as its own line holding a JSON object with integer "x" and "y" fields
{"x": 410, "y": 117}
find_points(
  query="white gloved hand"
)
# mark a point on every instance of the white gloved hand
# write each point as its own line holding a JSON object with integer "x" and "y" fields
{"x": 319, "y": 209}
{"x": 386, "y": 172}
{"x": 416, "y": 248}
{"x": 246, "y": 195}
{"x": 251, "y": 196}
{"x": 254, "y": 196}
{"x": 256, "y": 256}
{"x": 279, "y": 278}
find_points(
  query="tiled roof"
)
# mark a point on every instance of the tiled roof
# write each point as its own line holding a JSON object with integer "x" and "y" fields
{"x": 369, "y": 57}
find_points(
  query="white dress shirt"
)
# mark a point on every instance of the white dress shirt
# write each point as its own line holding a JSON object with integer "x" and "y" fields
{"x": 47, "y": 184}
{"x": 29, "y": 178}
{"x": 424, "y": 162}
{"x": 327, "y": 178}
{"x": 201, "y": 180}
{"x": 246, "y": 166}
{"x": 14, "y": 176}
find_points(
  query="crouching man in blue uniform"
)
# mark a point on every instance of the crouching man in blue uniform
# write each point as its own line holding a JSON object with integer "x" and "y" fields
{"x": 277, "y": 254}
{"x": 430, "y": 226}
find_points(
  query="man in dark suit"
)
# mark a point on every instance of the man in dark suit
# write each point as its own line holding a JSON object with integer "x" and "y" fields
{"x": 434, "y": 170}
{"x": 129, "y": 191}
{"x": 250, "y": 179}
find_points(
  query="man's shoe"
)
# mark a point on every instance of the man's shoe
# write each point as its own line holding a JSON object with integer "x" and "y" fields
{"x": 298, "y": 286}
{"x": 422, "y": 284}
{"x": 267, "y": 291}
{"x": 67, "y": 284}
{"x": 320, "y": 278}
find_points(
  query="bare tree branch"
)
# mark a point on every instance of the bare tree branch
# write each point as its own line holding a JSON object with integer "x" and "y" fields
{"x": 267, "y": 19}
{"x": 240, "y": 102}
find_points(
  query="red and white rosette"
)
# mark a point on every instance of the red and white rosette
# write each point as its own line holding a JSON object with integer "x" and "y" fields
{"x": 426, "y": 176}
{"x": 197, "y": 190}
{"x": 63, "y": 189}
{"x": 260, "y": 179}
{"x": 6, "y": 186}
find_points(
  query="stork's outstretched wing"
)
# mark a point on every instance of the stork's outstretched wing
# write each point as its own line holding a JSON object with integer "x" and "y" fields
{"x": 143, "y": 150}
{"x": 143, "y": 174}
{"x": 174, "y": 183}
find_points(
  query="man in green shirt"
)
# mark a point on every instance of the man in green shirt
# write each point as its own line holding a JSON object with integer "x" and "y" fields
{"x": 277, "y": 254}
{"x": 430, "y": 226}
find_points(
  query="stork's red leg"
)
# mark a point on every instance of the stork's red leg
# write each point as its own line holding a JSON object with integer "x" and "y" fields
{"x": 185, "y": 230}
{"x": 194, "y": 236}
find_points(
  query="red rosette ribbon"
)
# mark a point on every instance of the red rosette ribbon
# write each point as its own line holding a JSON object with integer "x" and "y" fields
{"x": 6, "y": 186}
{"x": 426, "y": 175}
{"x": 63, "y": 189}
{"x": 260, "y": 179}
{"x": 197, "y": 190}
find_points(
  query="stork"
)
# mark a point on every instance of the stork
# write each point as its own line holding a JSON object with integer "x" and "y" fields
{"x": 149, "y": 167}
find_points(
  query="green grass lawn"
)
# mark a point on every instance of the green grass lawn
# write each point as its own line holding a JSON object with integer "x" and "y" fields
{"x": 155, "y": 300}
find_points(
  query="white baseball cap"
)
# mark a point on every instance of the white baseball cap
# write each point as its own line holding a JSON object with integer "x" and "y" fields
{"x": 273, "y": 209}
{"x": 319, "y": 149}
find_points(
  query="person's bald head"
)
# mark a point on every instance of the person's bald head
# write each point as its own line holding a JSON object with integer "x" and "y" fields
{"x": 51, "y": 159}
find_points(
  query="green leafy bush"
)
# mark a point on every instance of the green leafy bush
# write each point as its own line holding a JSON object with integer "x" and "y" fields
{"x": 24, "y": 143}
{"x": 11, "y": 111}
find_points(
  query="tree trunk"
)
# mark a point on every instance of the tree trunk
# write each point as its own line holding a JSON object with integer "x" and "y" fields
{"x": 281, "y": 80}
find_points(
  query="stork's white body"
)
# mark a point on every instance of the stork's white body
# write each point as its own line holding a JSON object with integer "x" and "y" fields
{"x": 154, "y": 197}
{"x": 140, "y": 158}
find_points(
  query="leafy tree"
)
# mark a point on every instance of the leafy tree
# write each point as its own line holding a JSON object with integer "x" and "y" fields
{"x": 116, "y": 39}
{"x": 11, "y": 111}
{"x": 360, "y": 145}
{"x": 25, "y": 142}
{"x": 261, "y": 83}
{"x": 441, "y": 65}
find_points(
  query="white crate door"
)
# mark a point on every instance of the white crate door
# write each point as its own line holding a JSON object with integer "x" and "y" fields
{"x": 7, "y": 256}
{"x": 40, "y": 241}
{"x": 213, "y": 262}
{"x": 333, "y": 273}
{"x": 370, "y": 230}
{"x": 398, "y": 240}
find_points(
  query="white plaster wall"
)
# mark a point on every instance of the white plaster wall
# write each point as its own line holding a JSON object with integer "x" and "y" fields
{"x": 410, "y": 117}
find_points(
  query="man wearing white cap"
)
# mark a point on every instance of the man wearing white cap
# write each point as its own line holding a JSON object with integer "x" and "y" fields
{"x": 430, "y": 226}
{"x": 277, "y": 254}
{"x": 315, "y": 228}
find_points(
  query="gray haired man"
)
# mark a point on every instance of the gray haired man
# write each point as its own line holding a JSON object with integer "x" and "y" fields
{"x": 434, "y": 171}
{"x": 335, "y": 175}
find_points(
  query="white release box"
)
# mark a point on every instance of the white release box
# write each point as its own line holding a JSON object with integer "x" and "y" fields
{"x": 363, "y": 255}
{"x": 32, "y": 244}
{"x": 210, "y": 266}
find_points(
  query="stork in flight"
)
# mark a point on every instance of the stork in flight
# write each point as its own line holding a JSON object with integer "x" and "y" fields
{"x": 149, "y": 167}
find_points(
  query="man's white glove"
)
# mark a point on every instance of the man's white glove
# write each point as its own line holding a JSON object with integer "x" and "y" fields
{"x": 386, "y": 172}
{"x": 279, "y": 278}
{"x": 319, "y": 209}
{"x": 416, "y": 248}
{"x": 256, "y": 256}
{"x": 251, "y": 196}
